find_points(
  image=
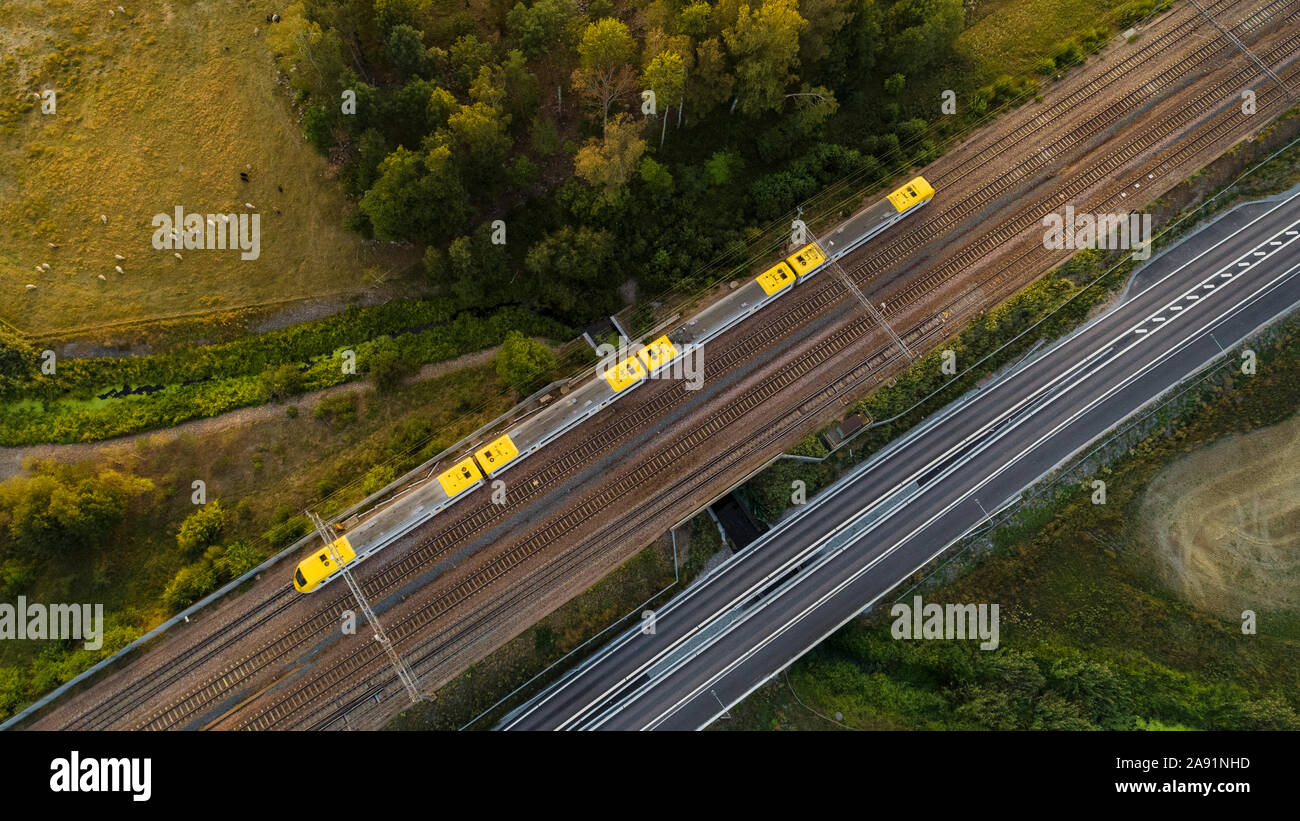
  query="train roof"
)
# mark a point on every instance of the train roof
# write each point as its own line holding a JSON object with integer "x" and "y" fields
{"x": 625, "y": 374}
{"x": 312, "y": 570}
{"x": 464, "y": 474}
{"x": 807, "y": 259}
{"x": 656, "y": 353}
{"x": 498, "y": 453}
{"x": 777, "y": 278}
{"x": 847, "y": 233}
{"x": 910, "y": 193}
{"x": 722, "y": 313}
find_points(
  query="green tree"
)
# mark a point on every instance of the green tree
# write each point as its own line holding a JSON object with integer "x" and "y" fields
{"x": 825, "y": 19}
{"x": 658, "y": 180}
{"x": 392, "y": 13}
{"x": 417, "y": 198}
{"x": 693, "y": 20}
{"x": 604, "y": 70}
{"x": 920, "y": 31}
{"x": 405, "y": 47}
{"x": 568, "y": 265}
{"x": 202, "y": 528}
{"x": 765, "y": 46}
{"x": 711, "y": 83}
{"x": 542, "y": 27}
{"x": 479, "y": 135}
{"x": 63, "y": 509}
{"x": 666, "y": 77}
{"x": 467, "y": 55}
{"x": 388, "y": 367}
{"x": 282, "y": 381}
{"x": 524, "y": 364}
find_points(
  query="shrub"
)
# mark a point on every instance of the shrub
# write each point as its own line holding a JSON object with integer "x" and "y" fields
{"x": 202, "y": 528}
{"x": 523, "y": 363}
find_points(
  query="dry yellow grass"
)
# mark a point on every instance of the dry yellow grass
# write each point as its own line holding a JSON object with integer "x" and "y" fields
{"x": 158, "y": 106}
{"x": 1225, "y": 522}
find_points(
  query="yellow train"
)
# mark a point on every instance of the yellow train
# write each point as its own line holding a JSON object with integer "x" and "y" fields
{"x": 398, "y": 516}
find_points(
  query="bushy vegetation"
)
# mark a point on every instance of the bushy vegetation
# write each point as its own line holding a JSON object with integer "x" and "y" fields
{"x": 93, "y": 399}
{"x": 63, "y": 511}
{"x": 524, "y": 363}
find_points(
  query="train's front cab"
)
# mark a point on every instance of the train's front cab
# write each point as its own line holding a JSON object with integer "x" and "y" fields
{"x": 914, "y": 194}
{"x": 314, "y": 570}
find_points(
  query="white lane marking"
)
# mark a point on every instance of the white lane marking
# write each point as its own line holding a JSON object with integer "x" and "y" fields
{"x": 790, "y": 622}
{"x": 1000, "y": 434}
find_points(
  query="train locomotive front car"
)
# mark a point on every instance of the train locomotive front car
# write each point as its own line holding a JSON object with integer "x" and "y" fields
{"x": 388, "y": 523}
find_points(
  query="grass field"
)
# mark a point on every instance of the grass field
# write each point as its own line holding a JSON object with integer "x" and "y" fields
{"x": 1011, "y": 36}
{"x": 160, "y": 106}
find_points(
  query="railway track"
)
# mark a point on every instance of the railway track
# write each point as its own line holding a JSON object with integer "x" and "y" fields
{"x": 433, "y": 550}
{"x": 567, "y": 562}
{"x": 428, "y": 653}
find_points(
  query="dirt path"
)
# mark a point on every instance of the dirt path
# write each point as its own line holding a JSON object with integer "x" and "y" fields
{"x": 11, "y": 459}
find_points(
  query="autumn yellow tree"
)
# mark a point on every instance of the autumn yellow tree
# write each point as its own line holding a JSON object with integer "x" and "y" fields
{"x": 604, "y": 70}
{"x": 607, "y": 164}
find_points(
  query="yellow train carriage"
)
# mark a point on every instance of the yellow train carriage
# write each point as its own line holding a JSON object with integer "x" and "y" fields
{"x": 625, "y": 374}
{"x": 914, "y": 193}
{"x": 460, "y": 477}
{"x": 318, "y": 567}
{"x": 657, "y": 354}
{"x": 806, "y": 260}
{"x": 498, "y": 453}
{"x": 776, "y": 279}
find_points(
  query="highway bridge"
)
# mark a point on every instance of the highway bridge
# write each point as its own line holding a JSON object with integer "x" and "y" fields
{"x": 719, "y": 640}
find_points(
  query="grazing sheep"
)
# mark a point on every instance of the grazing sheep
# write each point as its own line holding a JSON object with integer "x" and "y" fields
{"x": 104, "y": 278}
{"x": 40, "y": 270}
{"x": 178, "y": 255}
{"x": 51, "y": 245}
{"x": 250, "y": 205}
{"x": 103, "y": 217}
{"x": 45, "y": 265}
{"x": 31, "y": 287}
{"x": 118, "y": 268}
{"x": 118, "y": 256}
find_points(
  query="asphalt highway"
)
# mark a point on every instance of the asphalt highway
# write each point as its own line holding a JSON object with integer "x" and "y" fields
{"x": 847, "y": 548}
